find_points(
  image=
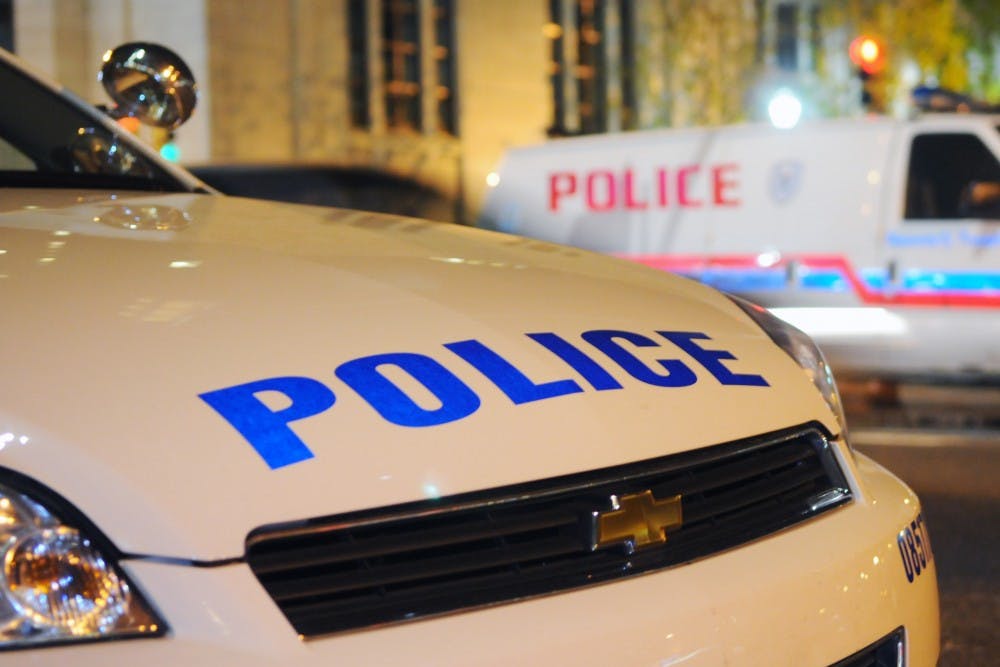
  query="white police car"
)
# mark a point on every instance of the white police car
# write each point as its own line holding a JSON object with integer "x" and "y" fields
{"x": 238, "y": 432}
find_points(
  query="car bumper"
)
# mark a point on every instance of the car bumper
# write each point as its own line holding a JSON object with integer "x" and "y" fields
{"x": 810, "y": 595}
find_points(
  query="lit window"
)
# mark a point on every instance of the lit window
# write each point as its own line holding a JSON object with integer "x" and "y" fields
{"x": 401, "y": 61}
{"x": 444, "y": 57}
{"x": 583, "y": 63}
{"x": 554, "y": 32}
{"x": 591, "y": 68}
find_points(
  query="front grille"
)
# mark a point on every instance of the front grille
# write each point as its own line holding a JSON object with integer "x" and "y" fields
{"x": 403, "y": 562}
{"x": 886, "y": 652}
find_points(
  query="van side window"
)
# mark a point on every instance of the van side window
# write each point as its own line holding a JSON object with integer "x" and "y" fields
{"x": 945, "y": 170}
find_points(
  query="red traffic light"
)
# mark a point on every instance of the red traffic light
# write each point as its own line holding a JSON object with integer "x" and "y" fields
{"x": 867, "y": 53}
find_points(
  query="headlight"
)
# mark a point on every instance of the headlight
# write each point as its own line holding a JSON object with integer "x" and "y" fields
{"x": 57, "y": 586}
{"x": 803, "y": 350}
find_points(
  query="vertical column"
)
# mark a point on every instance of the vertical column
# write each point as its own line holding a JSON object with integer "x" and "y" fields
{"x": 571, "y": 49}
{"x": 76, "y": 63}
{"x": 428, "y": 68}
{"x": 612, "y": 46}
{"x": 295, "y": 79}
{"x": 110, "y": 24}
{"x": 34, "y": 34}
{"x": 326, "y": 83}
{"x": 376, "y": 69}
{"x": 769, "y": 28}
{"x": 803, "y": 58}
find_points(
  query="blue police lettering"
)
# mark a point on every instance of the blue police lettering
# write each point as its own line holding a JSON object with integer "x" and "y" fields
{"x": 363, "y": 376}
{"x": 599, "y": 379}
{"x": 710, "y": 359}
{"x": 506, "y": 377}
{"x": 605, "y": 340}
{"x": 267, "y": 430}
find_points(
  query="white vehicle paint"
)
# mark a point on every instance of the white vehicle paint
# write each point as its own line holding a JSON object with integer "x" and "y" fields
{"x": 240, "y": 432}
{"x": 878, "y": 237}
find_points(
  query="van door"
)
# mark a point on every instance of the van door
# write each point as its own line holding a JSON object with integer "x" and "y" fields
{"x": 946, "y": 249}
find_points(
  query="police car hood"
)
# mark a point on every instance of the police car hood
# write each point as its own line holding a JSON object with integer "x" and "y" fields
{"x": 186, "y": 368}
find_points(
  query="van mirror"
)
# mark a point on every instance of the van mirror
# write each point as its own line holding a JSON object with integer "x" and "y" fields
{"x": 149, "y": 82}
{"x": 981, "y": 199}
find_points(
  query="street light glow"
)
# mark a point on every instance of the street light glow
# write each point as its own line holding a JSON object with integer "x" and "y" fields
{"x": 784, "y": 109}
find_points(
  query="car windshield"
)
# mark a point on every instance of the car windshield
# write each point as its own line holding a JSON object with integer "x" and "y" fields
{"x": 52, "y": 139}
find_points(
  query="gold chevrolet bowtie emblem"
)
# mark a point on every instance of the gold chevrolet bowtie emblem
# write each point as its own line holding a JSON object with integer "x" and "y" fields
{"x": 638, "y": 519}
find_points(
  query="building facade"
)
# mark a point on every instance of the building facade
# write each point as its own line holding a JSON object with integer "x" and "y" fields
{"x": 436, "y": 90}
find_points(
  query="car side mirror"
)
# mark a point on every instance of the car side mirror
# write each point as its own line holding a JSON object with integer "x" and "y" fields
{"x": 981, "y": 199}
{"x": 150, "y": 83}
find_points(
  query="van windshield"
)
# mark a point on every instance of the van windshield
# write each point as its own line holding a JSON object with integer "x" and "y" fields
{"x": 49, "y": 139}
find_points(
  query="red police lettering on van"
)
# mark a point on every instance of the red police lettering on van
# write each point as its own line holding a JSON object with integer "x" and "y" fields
{"x": 685, "y": 186}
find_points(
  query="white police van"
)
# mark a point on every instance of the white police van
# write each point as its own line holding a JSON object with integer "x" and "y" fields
{"x": 878, "y": 237}
{"x": 235, "y": 432}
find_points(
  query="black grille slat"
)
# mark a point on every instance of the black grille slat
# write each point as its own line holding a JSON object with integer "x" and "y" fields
{"x": 426, "y": 568}
{"x": 432, "y": 598}
{"x": 331, "y": 554}
{"x": 738, "y": 472}
{"x": 506, "y": 580}
{"x": 432, "y": 557}
{"x": 751, "y": 493}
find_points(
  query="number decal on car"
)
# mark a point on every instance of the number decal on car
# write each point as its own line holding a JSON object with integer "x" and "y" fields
{"x": 914, "y": 544}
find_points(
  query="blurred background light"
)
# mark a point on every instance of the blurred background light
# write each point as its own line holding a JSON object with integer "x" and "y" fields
{"x": 784, "y": 109}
